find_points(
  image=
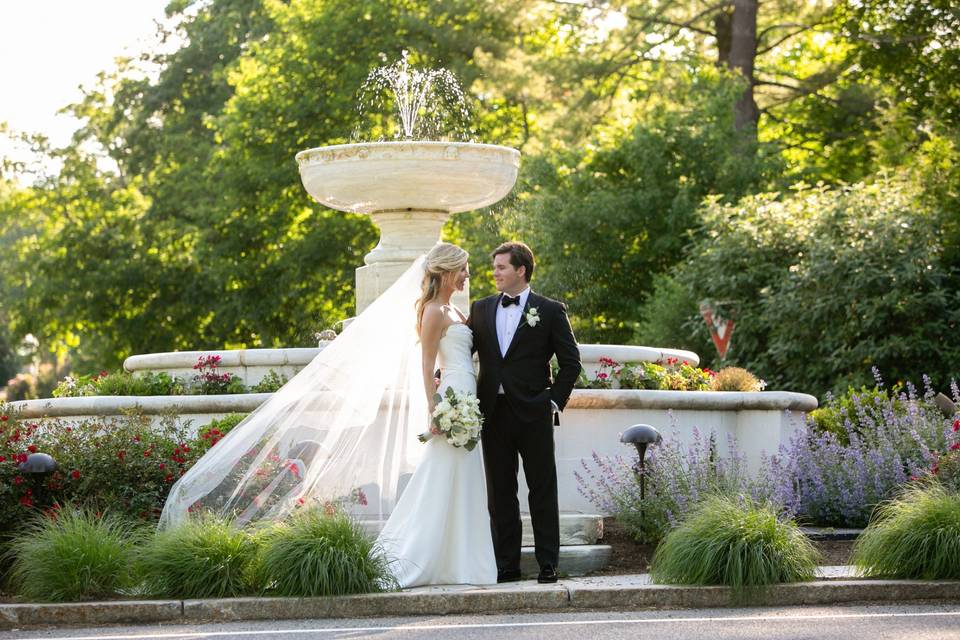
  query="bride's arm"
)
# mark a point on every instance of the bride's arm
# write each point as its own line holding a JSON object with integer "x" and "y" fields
{"x": 431, "y": 328}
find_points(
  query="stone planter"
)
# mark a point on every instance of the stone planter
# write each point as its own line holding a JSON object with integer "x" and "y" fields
{"x": 592, "y": 421}
{"x": 251, "y": 365}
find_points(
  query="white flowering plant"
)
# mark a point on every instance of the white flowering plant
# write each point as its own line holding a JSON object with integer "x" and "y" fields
{"x": 456, "y": 416}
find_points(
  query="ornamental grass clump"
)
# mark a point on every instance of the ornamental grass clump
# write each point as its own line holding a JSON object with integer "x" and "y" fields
{"x": 916, "y": 535}
{"x": 322, "y": 552}
{"x": 736, "y": 379}
{"x": 74, "y": 555}
{"x": 737, "y": 542}
{"x": 204, "y": 557}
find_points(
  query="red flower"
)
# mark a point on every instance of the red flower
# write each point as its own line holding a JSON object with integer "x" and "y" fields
{"x": 299, "y": 500}
{"x": 26, "y": 501}
{"x": 69, "y": 429}
{"x": 75, "y": 474}
{"x": 3, "y": 458}
{"x": 602, "y": 376}
{"x": 104, "y": 374}
{"x": 32, "y": 448}
{"x": 146, "y": 454}
{"x": 168, "y": 477}
{"x": 4, "y": 418}
{"x": 956, "y": 424}
{"x": 163, "y": 465}
{"x": 955, "y": 446}
{"x": 121, "y": 454}
{"x": 18, "y": 480}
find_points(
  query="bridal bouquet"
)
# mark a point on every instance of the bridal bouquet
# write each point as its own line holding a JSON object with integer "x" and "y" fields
{"x": 456, "y": 416}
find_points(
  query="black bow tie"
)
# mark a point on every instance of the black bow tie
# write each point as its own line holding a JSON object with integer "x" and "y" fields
{"x": 506, "y": 301}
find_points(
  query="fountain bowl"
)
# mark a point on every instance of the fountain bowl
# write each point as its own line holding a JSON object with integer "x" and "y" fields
{"x": 371, "y": 177}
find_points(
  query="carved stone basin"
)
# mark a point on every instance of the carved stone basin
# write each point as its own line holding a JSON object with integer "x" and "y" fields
{"x": 409, "y": 189}
{"x": 416, "y": 176}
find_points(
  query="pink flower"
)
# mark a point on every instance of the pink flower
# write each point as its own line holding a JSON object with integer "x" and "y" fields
{"x": 602, "y": 376}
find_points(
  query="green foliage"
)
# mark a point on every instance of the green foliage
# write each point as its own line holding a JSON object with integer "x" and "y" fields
{"x": 914, "y": 536}
{"x": 612, "y": 215}
{"x": 270, "y": 383}
{"x": 322, "y": 553}
{"x": 670, "y": 318}
{"x": 824, "y": 284}
{"x": 911, "y": 46}
{"x": 74, "y": 555}
{"x": 734, "y": 542}
{"x": 201, "y": 558}
{"x": 120, "y": 383}
{"x": 862, "y": 408}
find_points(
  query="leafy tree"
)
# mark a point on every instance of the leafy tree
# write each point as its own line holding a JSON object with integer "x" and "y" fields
{"x": 826, "y": 283}
{"x": 606, "y": 221}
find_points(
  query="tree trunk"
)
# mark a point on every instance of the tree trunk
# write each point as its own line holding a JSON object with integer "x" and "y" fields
{"x": 743, "y": 51}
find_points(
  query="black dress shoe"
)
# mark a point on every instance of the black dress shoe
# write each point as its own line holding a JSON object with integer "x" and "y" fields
{"x": 547, "y": 575}
{"x": 508, "y": 575}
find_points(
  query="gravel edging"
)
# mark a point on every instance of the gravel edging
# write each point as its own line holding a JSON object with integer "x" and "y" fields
{"x": 617, "y": 592}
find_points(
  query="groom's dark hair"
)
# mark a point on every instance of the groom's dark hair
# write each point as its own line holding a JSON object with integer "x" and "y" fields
{"x": 520, "y": 256}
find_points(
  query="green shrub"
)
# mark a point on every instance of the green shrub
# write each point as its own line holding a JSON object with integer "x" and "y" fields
{"x": 863, "y": 408}
{"x": 734, "y": 542}
{"x": 74, "y": 555}
{"x": 321, "y": 554}
{"x": 121, "y": 463}
{"x": 270, "y": 383}
{"x": 876, "y": 248}
{"x": 204, "y": 557}
{"x": 913, "y": 536}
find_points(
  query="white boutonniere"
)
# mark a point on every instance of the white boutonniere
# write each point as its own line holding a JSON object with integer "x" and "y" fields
{"x": 533, "y": 316}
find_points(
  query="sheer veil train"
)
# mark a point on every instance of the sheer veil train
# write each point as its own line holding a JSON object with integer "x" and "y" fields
{"x": 341, "y": 432}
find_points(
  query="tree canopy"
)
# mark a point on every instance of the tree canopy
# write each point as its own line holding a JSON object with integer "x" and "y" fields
{"x": 658, "y": 139}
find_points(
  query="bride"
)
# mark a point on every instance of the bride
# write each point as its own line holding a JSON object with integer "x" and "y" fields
{"x": 439, "y": 532}
{"x": 342, "y": 435}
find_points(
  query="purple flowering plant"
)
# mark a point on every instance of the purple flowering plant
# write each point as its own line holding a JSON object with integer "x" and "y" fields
{"x": 678, "y": 477}
{"x": 837, "y": 479}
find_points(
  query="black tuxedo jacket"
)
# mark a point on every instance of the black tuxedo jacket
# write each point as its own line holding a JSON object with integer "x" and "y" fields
{"x": 524, "y": 371}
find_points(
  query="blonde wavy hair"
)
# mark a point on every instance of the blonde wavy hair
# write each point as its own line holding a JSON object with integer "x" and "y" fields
{"x": 441, "y": 266}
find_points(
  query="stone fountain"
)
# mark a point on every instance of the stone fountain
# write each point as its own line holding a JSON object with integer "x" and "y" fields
{"x": 409, "y": 189}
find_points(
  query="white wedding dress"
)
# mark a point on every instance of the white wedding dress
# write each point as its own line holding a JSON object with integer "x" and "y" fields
{"x": 439, "y": 532}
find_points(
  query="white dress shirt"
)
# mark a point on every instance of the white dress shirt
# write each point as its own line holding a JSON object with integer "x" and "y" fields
{"x": 508, "y": 320}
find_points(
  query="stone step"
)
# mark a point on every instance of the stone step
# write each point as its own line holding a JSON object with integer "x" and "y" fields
{"x": 575, "y": 560}
{"x": 575, "y": 529}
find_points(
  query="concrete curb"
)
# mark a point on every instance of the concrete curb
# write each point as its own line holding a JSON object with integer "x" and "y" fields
{"x": 615, "y": 592}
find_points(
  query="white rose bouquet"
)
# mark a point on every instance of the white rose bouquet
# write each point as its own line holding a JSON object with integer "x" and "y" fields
{"x": 456, "y": 416}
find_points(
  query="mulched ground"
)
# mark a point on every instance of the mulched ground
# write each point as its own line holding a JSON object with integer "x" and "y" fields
{"x": 628, "y": 557}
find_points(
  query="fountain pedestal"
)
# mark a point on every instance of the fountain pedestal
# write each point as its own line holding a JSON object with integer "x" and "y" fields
{"x": 409, "y": 189}
{"x": 404, "y": 235}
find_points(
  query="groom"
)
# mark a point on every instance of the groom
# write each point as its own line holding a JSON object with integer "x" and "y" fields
{"x": 516, "y": 333}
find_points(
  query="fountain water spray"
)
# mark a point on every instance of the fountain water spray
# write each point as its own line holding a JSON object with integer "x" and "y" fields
{"x": 430, "y": 103}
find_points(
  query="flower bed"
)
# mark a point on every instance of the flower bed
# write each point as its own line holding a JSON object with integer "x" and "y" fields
{"x": 671, "y": 374}
{"x": 122, "y": 463}
{"x": 208, "y": 380}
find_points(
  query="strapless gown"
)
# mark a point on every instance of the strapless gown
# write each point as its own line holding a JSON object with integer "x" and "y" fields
{"x": 439, "y": 532}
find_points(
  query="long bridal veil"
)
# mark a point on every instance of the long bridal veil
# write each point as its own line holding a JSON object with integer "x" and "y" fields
{"x": 341, "y": 433}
